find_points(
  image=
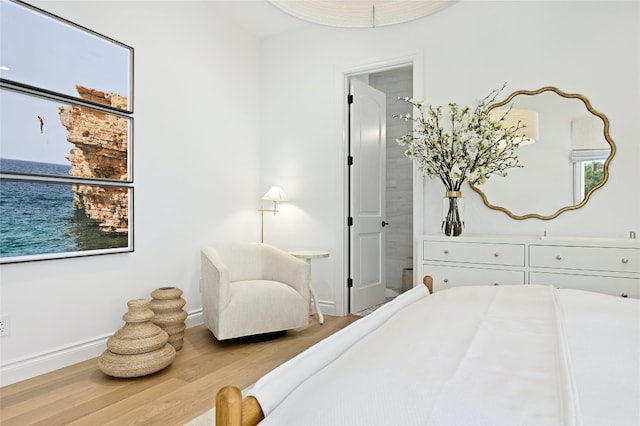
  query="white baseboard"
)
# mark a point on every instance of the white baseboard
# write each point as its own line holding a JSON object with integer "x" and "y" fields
{"x": 45, "y": 362}
{"x": 34, "y": 365}
{"x": 194, "y": 318}
{"x": 327, "y": 307}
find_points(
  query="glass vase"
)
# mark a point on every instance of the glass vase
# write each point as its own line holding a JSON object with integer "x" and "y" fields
{"x": 452, "y": 213}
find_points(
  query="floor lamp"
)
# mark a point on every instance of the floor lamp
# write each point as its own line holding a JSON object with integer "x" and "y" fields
{"x": 275, "y": 194}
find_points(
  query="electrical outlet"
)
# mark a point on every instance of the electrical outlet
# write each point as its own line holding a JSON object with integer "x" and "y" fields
{"x": 5, "y": 325}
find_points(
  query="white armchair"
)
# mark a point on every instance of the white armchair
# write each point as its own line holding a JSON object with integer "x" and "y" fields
{"x": 253, "y": 288}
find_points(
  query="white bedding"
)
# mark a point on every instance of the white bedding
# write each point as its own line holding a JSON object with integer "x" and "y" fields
{"x": 510, "y": 355}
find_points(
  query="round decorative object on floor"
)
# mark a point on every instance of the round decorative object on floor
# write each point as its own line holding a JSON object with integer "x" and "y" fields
{"x": 167, "y": 306}
{"x": 139, "y": 348}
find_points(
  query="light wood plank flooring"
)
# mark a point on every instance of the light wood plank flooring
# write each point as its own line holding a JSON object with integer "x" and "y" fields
{"x": 82, "y": 395}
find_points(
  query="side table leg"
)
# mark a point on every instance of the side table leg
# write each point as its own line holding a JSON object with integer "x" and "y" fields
{"x": 315, "y": 303}
{"x": 314, "y": 298}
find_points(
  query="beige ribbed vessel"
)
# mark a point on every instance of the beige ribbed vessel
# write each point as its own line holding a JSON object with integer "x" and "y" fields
{"x": 167, "y": 306}
{"x": 140, "y": 347}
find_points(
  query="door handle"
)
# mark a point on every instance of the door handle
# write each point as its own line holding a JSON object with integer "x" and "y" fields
{"x": 384, "y": 223}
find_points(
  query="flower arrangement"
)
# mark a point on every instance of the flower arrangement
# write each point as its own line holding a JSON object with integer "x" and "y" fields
{"x": 465, "y": 146}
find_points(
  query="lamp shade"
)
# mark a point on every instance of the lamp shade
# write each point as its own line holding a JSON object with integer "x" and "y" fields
{"x": 526, "y": 119}
{"x": 275, "y": 194}
{"x": 360, "y": 13}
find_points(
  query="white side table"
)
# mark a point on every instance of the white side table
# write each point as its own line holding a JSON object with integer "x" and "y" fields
{"x": 308, "y": 255}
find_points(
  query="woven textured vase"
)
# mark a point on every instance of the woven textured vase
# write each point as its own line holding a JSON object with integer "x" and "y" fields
{"x": 167, "y": 306}
{"x": 139, "y": 348}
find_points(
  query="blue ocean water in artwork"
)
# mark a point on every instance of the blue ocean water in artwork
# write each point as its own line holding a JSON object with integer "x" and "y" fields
{"x": 32, "y": 167}
{"x": 39, "y": 218}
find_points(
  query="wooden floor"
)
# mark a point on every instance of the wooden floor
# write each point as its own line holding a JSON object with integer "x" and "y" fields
{"x": 82, "y": 395}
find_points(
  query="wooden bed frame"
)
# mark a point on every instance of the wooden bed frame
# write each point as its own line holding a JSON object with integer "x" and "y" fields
{"x": 233, "y": 410}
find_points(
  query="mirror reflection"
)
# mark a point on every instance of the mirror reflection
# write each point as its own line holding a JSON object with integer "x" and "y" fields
{"x": 564, "y": 162}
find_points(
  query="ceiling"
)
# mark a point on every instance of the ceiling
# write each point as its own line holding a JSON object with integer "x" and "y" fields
{"x": 259, "y": 17}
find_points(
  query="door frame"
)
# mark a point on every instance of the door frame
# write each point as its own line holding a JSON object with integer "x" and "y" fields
{"x": 414, "y": 61}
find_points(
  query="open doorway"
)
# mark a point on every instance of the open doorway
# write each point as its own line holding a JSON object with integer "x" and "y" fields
{"x": 397, "y": 83}
{"x": 398, "y": 189}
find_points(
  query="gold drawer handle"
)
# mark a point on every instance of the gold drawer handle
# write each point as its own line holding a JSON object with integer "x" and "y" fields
{"x": 625, "y": 294}
{"x": 625, "y": 260}
{"x": 496, "y": 254}
{"x": 446, "y": 280}
{"x": 496, "y": 283}
{"x": 446, "y": 251}
{"x": 558, "y": 257}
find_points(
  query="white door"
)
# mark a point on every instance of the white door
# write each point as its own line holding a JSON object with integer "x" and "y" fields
{"x": 367, "y": 195}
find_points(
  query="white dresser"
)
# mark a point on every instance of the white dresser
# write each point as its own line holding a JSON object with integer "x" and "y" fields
{"x": 610, "y": 266}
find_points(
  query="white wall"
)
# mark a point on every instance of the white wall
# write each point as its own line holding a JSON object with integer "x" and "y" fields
{"x": 467, "y": 50}
{"x": 196, "y": 171}
{"x": 220, "y": 117}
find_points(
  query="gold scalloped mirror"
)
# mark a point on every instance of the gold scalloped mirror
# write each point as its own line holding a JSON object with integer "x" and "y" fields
{"x": 567, "y": 163}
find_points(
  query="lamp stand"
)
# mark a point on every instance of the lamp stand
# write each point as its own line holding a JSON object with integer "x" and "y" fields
{"x": 274, "y": 210}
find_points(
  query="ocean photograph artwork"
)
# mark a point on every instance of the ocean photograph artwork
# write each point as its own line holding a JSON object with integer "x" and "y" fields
{"x": 66, "y": 182}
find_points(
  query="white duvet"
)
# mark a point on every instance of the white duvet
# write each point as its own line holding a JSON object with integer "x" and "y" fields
{"x": 510, "y": 355}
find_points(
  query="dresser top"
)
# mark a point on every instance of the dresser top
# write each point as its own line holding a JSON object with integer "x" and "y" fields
{"x": 533, "y": 239}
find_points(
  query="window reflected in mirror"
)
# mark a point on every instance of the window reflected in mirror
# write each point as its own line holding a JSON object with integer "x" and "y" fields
{"x": 588, "y": 175}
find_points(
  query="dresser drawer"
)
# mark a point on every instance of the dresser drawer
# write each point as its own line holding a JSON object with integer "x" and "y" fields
{"x": 612, "y": 259}
{"x": 450, "y": 276}
{"x": 615, "y": 286}
{"x": 483, "y": 253}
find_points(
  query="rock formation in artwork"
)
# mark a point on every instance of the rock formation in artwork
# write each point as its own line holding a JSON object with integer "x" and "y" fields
{"x": 100, "y": 151}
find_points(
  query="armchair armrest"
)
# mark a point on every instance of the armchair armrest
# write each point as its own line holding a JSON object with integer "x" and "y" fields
{"x": 215, "y": 283}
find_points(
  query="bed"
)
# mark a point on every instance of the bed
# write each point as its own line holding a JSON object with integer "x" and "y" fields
{"x": 505, "y": 355}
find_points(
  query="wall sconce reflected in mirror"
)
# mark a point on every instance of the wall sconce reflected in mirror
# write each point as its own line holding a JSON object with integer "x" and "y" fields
{"x": 275, "y": 194}
{"x": 526, "y": 119}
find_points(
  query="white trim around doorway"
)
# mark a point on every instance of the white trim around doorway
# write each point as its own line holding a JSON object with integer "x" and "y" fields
{"x": 416, "y": 61}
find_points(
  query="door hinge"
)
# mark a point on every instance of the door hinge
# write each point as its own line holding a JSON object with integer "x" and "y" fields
{"x": 349, "y": 282}
{"x": 350, "y": 160}
{"x": 349, "y": 99}
{"x": 350, "y": 221}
